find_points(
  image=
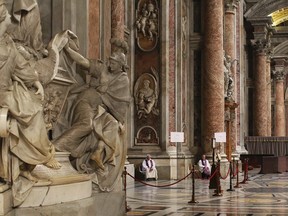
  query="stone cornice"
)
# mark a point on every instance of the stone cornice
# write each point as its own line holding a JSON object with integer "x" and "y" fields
{"x": 262, "y": 27}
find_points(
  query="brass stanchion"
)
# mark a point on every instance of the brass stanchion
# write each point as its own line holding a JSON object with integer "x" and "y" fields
{"x": 237, "y": 176}
{"x": 192, "y": 201}
{"x": 127, "y": 208}
{"x": 233, "y": 168}
{"x": 231, "y": 175}
{"x": 245, "y": 172}
{"x": 213, "y": 179}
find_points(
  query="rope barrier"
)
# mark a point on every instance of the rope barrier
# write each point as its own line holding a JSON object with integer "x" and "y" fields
{"x": 213, "y": 173}
{"x": 237, "y": 170}
{"x": 226, "y": 174}
{"x": 218, "y": 191}
{"x": 167, "y": 185}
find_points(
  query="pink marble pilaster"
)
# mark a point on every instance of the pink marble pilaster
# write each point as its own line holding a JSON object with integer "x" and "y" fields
{"x": 230, "y": 49}
{"x": 117, "y": 19}
{"x": 213, "y": 75}
{"x": 268, "y": 81}
{"x": 280, "y": 126}
{"x": 260, "y": 89}
{"x": 229, "y": 32}
{"x": 94, "y": 31}
{"x": 229, "y": 28}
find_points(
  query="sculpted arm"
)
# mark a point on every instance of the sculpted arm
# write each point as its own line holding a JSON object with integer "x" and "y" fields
{"x": 78, "y": 58}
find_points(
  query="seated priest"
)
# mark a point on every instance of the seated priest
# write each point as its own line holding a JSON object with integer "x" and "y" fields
{"x": 204, "y": 167}
{"x": 149, "y": 168}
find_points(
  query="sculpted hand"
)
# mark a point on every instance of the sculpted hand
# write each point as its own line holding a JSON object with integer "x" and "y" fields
{"x": 40, "y": 89}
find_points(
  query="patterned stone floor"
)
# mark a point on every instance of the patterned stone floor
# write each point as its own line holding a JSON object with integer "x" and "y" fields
{"x": 261, "y": 195}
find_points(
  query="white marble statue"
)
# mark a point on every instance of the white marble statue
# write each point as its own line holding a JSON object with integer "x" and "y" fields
{"x": 22, "y": 94}
{"x": 146, "y": 99}
{"x": 95, "y": 131}
{"x": 228, "y": 77}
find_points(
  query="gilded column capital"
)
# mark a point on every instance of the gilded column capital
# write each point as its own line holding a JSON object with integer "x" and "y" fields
{"x": 279, "y": 74}
{"x": 269, "y": 56}
{"x": 231, "y": 5}
{"x": 261, "y": 46}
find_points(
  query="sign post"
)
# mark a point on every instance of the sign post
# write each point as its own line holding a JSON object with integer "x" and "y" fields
{"x": 178, "y": 139}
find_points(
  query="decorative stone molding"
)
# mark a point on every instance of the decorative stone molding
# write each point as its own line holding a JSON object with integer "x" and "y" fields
{"x": 231, "y": 5}
{"x": 279, "y": 72}
{"x": 279, "y": 75}
{"x": 260, "y": 46}
{"x": 230, "y": 107}
{"x": 265, "y": 7}
{"x": 262, "y": 27}
{"x": 147, "y": 135}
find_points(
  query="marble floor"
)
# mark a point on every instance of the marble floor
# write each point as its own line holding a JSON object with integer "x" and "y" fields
{"x": 263, "y": 194}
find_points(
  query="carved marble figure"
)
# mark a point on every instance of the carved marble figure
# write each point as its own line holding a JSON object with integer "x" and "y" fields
{"x": 147, "y": 22}
{"x": 146, "y": 99}
{"x": 96, "y": 127}
{"x": 27, "y": 31}
{"x": 22, "y": 94}
{"x": 146, "y": 94}
{"x": 228, "y": 79}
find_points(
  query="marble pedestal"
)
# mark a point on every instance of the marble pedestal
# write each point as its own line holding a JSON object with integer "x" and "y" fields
{"x": 131, "y": 170}
{"x": 99, "y": 204}
{"x": 54, "y": 186}
{"x": 5, "y": 199}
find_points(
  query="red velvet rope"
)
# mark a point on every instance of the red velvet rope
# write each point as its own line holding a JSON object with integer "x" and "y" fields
{"x": 216, "y": 170}
{"x": 226, "y": 175}
{"x": 237, "y": 171}
{"x": 167, "y": 185}
{"x": 198, "y": 175}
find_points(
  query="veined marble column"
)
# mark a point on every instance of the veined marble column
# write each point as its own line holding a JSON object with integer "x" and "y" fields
{"x": 213, "y": 73}
{"x": 268, "y": 80}
{"x": 260, "y": 88}
{"x": 279, "y": 76}
{"x": 117, "y": 19}
{"x": 230, "y": 49}
{"x": 229, "y": 34}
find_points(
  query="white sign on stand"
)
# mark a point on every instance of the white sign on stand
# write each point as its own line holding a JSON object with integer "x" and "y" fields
{"x": 220, "y": 136}
{"x": 177, "y": 136}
